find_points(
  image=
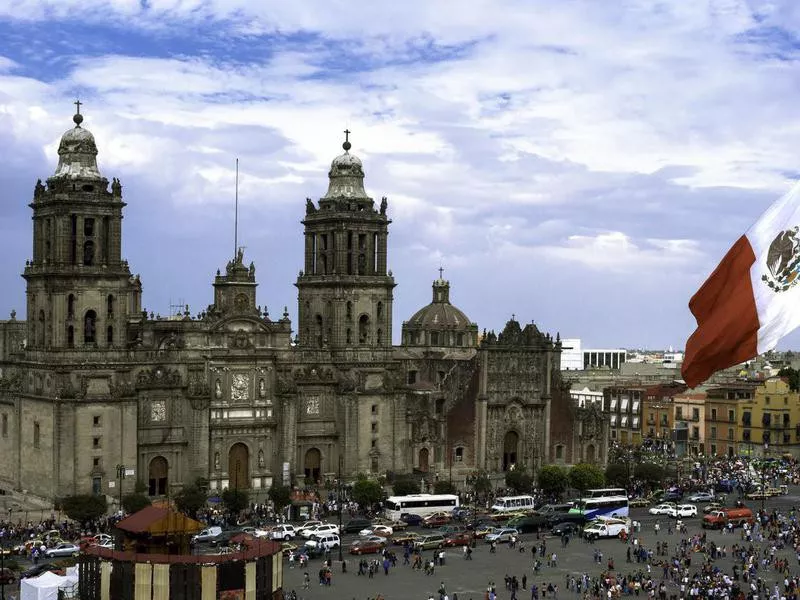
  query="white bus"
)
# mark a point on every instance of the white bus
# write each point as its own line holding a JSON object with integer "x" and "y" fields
{"x": 512, "y": 503}
{"x": 606, "y": 506}
{"x": 419, "y": 504}
{"x": 604, "y": 493}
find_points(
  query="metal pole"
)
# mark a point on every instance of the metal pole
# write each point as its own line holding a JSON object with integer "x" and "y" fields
{"x": 339, "y": 506}
{"x": 2, "y": 567}
{"x": 763, "y": 478}
{"x": 120, "y": 477}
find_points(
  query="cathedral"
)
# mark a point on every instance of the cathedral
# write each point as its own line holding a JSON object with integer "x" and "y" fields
{"x": 97, "y": 394}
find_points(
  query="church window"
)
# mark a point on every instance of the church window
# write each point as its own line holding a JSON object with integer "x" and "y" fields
{"x": 559, "y": 452}
{"x": 106, "y": 239}
{"x": 73, "y": 240}
{"x": 349, "y": 336}
{"x": 96, "y": 421}
{"x": 349, "y": 252}
{"x": 379, "y": 337}
{"x": 5, "y": 425}
{"x": 362, "y": 242}
{"x": 379, "y": 311}
{"x": 434, "y": 338}
{"x": 374, "y": 427}
{"x": 363, "y": 330}
{"x": 314, "y": 254}
{"x": 374, "y": 409}
{"x": 70, "y": 337}
{"x": 95, "y": 442}
{"x": 88, "y": 253}
{"x": 41, "y": 331}
{"x": 362, "y": 264}
{"x": 374, "y": 443}
{"x": 96, "y": 462}
{"x": 71, "y": 306}
{"x": 412, "y": 377}
{"x": 460, "y": 339}
{"x": 89, "y": 324}
{"x": 349, "y": 310}
{"x": 110, "y": 335}
{"x": 318, "y": 322}
{"x": 88, "y": 227}
{"x": 459, "y": 454}
{"x": 35, "y": 434}
{"x": 110, "y": 305}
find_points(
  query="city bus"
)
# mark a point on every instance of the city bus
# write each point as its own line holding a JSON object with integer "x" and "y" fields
{"x": 604, "y": 493}
{"x": 512, "y": 503}
{"x": 604, "y": 506}
{"x": 419, "y": 504}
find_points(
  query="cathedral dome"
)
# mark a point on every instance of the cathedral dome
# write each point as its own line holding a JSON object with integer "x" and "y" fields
{"x": 440, "y": 323}
{"x": 346, "y": 177}
{"x": 77, "y": 153}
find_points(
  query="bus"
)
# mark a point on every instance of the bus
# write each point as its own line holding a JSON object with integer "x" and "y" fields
{"x": 512, "y": 503}
{"x": 604, "y": 493}
{"x": 419, "y": 504}
{"x": 605, "y": 506}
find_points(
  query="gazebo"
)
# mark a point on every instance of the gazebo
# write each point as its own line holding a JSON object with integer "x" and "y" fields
{"x": 156, "y": 530}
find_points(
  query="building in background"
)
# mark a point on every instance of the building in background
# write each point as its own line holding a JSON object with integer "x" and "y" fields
{"x": 576, "y": 358}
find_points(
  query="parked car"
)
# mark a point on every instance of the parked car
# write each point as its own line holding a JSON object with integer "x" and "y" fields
{"x": 605, "y": 528}
{"x": 309, "y": 525}
{"x": 397, "y": 525}
{"x": 282, "y": 532}
{"x": 428, "y": 542}
{"x": 367, "y": 546}
{"x": 701, "y": 497}
{"x": 661, "y": 509}
{"x": 356, "y": 525}
{"x": 411, "y": 518}
{"x": 485, "y": 530}
{"x": 329, "y": 541}
{"x": 63, "y": 549}
{"x": 683, "y": 510}
{"x": 310, "y": 551}
{"x": 566, "y": 527}
{"x": 531, "y": 523}
{"x": 638, "y": 502}
{"x": 406, "y": 536}
{"x": 502, "y": 535}
{"x": 461, "y": 538}
{"x": 712, "y": 507}
{"x": 673, "y": 495}
{"x": 320, "y": 530}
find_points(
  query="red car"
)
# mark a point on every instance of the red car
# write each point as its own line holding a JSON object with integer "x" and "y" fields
{"x": 462, "y": 538}
{"x": 366, "y": 547}
{"x": 435, "y": 521}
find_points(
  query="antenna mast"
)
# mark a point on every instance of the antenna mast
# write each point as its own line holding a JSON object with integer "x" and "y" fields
{"x": 236, "y": 214}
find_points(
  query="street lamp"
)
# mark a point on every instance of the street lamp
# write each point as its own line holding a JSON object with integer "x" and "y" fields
{"x": 120, "y": 477}
{"x": 339, "y": 505}
{"x": 3, "y": 565}
{"x": 764, "y": 477}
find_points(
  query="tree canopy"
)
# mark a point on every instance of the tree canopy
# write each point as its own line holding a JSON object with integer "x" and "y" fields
{"x": 793, "y": 376}
{"x": 235, "y": 500}
{"x": 366, "y": 492}
{"x": 617, "y": 474}
{"x": 519, "y": 481}
{"x": 84, "y": 508}
{"x": 444, "y": 487}
{"x": 650, "y": 473}
{"x": 133, "y": 503}
{"x": 281, "y": 496}
{"x": 552, "y": 480}
{"x": 584, "y": 476}
{"x": 404, "y": 485}
{"x": 191, "y": 499}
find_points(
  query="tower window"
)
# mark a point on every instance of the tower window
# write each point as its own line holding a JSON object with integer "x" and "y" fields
{"x": 460, "y": 339}
{"x": 363, "y": 329}
{"x": 412, "y": 377}
{"x": 379, "y": 311}
{"x": 35, "y": 434}
{"x": 318, "y": 321}
{"x": 362, "y": 264}
{"x": 110, "y": 335}
{"x": 110, "y": 305}
{"x": 349, "y": 312}
{"x": 88, "y": 253}
{"x": 73, "y": 239}
{"x": 349, "y": 336}
{"x": 106, "y": 239}
{"x": 71, "y": 306}
{"x": 434, "y": 338}
{"x": 459, "y": 454}
{"x": 379, "y": 337}
{"x": 88, "y": 227}
{"x": 89, "y": 325}
{"x": 70, "y": 337}
{"x": 41, "y": 332}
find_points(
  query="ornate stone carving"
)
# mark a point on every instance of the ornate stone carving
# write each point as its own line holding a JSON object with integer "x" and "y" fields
{"x": 285, "y": 384}
{"x": 312, "y": 405}
{"x": 158, "y": 377}
{"x": 158, "y": 411}
{"x": 121, "y": 388}
{"x": 170, "y": 343}
{"x": 240, "y": 387}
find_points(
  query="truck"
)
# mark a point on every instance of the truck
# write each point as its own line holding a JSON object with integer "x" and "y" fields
{"x": 735, "y": 517}
{"x": 606, "y": 528}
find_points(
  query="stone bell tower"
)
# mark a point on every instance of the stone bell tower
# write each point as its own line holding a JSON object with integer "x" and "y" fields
{"x": 345, "y": 292}
{"x": 79, "y": 289}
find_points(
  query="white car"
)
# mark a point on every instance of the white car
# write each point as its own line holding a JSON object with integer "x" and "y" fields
{"x": 282, "y": 532}
{"x": 381, "y": 530}
{"x": 320, "y": 530}
{"x": 63, "y": 549}
{"x": 661, "y": 509}
{"x": 307, "y": 525}
{"x": 502, "y": 535}
{"x": 683, "y": 510}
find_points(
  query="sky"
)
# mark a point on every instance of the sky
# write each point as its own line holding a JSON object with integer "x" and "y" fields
{"x": 580, "y": 164}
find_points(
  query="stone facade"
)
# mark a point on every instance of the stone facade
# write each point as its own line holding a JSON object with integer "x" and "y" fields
{"x": 92, "y": 386}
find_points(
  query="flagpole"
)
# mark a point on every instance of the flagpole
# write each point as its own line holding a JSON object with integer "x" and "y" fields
{"x": 236, "y": 214}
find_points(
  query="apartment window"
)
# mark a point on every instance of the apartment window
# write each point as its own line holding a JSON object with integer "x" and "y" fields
{"x": 695, "y": 414}
{"x": 5, "y": 425}
{"x": 613, "y": 420}
{"x": 635, "y": 406}
{"x": 624, "y": 404}
{"x": 766, "y": 400}
{"x": 746, "y": 435}
{"x": 36, "y": 435}
{"x": 786, "y": 438}
{"x": 679, "y": 412}
{"x": 635, "y": 423}
{"x": 613, "y": 434}
{"x": 731, "y": 416}
{"x": 96, "y": 462}
{"x": 713, "y": 414}
{"x": 412, "y": 377}
{"x": 766, "y": 419}
{"x": 95, "y": 442}
{"x": 785, "y": 401}
{"x": 613, "y": 404}
{"x": 730, "y": 433}
{"x": 746, "y": 417}
{"x": 713, "y": 433}
{"x": 713, "y": 450}
{"x": 374, "y": 427}
{"x": 459, "y": 454}
{"x": 96, "y": 421}
{"x": 374, "y": 409}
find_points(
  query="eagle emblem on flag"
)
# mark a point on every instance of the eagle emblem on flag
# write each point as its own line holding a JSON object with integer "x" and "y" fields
{"x": 783, "y": 261}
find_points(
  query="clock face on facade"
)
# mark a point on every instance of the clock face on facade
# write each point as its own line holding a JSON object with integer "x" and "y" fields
{"x": 240, "y": 387}
{"x": 158, "y": 411}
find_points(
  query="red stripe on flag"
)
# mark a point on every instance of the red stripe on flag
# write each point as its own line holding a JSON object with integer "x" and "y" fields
{"x": 727, "y": 319}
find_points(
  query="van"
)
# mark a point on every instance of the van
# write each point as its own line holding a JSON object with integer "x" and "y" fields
{"x": 529, "y": 523}
{"x": 207, "y": 535}
{"x": 606, "y": 528}
{"x": 328, "y": 541}
{"x": 427, "y": 542}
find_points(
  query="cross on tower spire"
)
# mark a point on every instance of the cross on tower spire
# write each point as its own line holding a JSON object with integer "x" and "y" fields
{"x": 347, "y": 145}
{"x": 441, "y": 270}
{"x": 78, "y": 106}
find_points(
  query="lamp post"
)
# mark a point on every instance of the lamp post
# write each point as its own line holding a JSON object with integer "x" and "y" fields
{"x": 3, "y": 565}
{"x": 764, "y": 477}
{"x": 339, "y": 504}
{"x": 120, "y": 477}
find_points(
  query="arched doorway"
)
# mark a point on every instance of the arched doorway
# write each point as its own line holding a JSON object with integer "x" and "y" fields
{"x": 590, "y": 453}
{"x": 424, "y": 457}
{"x": 510, "y": 450}
{"x": 312, "y": 463}
{"x": 239, "y": 467}
{"x": 157, "y": 476}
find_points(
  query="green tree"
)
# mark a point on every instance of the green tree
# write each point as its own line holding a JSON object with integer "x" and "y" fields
{"x": 133, "y": 503}
{"x": 84, "y": 508}
{"x": 617, "y": 474}
{"x": 404, "y": 485}
{"x": 481, "y": 484}
{"x": 584, "y": 476}
{"x": 281, "y": 496}
{"x": 650, "y": 473}
{"x": 366, "y": 492}
{"x": 552, "y": 480}
{"x": 235, "y": 500}
{"x": 793, "y": 376}
{"x": 191, "y": 499}
{"x": 444, "y": 487}
{"x": 518, "y": 480}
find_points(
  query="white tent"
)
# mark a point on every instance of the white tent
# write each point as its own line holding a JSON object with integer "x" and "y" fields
{"x": 45, "y": 586}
